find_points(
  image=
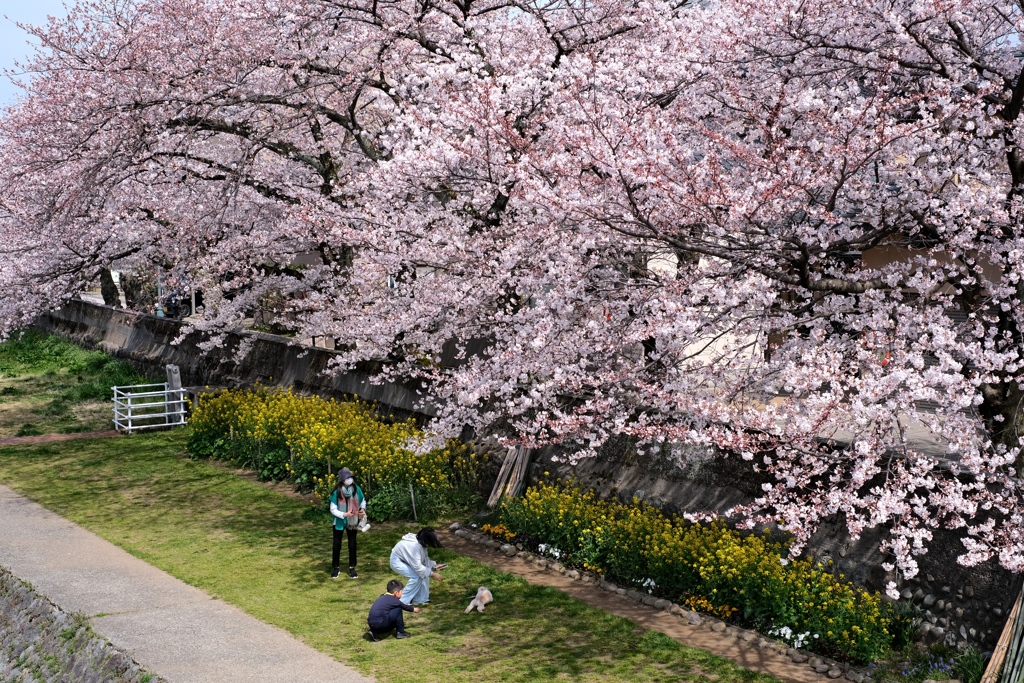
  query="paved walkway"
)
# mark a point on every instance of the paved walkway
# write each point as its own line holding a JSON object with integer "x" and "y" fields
{"x": 170, "y": 628}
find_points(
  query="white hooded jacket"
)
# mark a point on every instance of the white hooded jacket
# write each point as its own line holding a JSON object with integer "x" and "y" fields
{"x": 409, "y": 551}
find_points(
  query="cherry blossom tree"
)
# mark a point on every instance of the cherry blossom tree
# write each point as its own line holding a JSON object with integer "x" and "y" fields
{"x": 791, "y": 232}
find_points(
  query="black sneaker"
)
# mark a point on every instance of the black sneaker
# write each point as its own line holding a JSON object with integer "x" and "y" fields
{"x": 352, "y": 573}
{"x": 336, "y": 573}
{"x": 374, "y": 637}
{"x": 403, "y": 634}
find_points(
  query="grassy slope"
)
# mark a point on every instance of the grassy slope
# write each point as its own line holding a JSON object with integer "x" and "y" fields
{"x": 48, "y": 385}
{"x": 251, "y": 547}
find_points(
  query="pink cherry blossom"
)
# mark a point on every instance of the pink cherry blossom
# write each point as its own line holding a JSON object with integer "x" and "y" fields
{"x": 790, "y": 231}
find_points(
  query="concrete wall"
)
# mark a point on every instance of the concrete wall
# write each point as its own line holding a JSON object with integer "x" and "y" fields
{"x": 40, "y": 642}
{"x": 149, "y": 343}
{"x": 959, "y": 604}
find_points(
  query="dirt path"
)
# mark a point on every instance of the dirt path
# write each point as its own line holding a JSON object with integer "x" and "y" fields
{"x": 47, "y": 438}
{"x": 747, "y": 655}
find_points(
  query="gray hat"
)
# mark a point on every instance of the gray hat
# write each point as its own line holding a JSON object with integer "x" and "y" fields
{"x": 344, "y": 473}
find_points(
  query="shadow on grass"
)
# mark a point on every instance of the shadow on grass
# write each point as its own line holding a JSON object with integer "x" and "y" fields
{"x": 252, "y": 547}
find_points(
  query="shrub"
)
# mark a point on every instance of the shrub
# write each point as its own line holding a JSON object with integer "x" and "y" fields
{"x": 28, "y": 429}
{"x": 305, "y": 439}
{"x": 712, "y": 567}
{"x": 906, "y": 617}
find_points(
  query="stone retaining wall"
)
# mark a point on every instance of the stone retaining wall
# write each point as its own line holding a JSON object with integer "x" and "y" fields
{"x": 41, "y": 643}
{"x": 958, "y": 604}
{"x": 150, "y": 343}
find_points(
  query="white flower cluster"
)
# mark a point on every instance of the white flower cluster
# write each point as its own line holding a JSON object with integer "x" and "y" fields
{"x": 549, "y": 550}
{"x": 786, "y": 634}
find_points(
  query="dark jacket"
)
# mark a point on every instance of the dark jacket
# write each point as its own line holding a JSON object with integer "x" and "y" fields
{"x": 382, "y": 606}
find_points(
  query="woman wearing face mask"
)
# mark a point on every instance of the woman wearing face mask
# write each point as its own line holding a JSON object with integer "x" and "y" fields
{"x": 347, "y": 506}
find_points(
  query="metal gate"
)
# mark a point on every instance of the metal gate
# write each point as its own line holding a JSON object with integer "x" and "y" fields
{"x": 148, "y": 406}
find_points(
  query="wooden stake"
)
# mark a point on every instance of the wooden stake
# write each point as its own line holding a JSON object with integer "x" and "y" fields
{"x": 503, "y": 473}
{"x": 995, "y": 664}
{"x": 412, "y": 497}
{"x": 515, "y": 480}
{"x": 1012, "y": 663}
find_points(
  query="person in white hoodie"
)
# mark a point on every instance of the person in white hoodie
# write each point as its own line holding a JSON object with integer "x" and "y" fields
{"x": 409, "y": 558}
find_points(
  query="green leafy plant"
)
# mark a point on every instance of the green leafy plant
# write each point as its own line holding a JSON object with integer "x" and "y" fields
{"x": 33, "y": 352}
{"x": 28, "y": 429}
{"x": 746, "y": 577}
{"x": 906, "y": 617}
{"x": 58, "y": 407}
{"x": 306, "y": 439}
{"x": 970, "y": 665}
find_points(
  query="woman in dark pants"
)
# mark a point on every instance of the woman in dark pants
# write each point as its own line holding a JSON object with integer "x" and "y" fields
{"x": 347, "y": 505}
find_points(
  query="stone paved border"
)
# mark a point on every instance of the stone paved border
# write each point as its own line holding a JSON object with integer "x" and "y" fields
{"x": 40, "y": 642}
{"x": 168, "y": 627}
{"x": 746, "y": 648}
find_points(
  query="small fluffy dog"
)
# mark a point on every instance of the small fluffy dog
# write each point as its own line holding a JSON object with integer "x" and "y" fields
{"x": 483, "y": 597}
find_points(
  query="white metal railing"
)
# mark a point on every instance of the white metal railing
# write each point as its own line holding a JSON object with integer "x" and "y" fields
{"x": 148, "y": 406}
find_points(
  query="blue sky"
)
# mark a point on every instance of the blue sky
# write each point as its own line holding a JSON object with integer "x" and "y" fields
{"x": 13, "y": 40}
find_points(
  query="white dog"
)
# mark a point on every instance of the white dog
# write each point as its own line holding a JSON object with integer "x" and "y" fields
{"x": 483, "y": 596}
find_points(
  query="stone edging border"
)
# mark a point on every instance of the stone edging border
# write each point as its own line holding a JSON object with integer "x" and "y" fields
{"x": 819, "y": 664}
{"x": 40, "y": 641}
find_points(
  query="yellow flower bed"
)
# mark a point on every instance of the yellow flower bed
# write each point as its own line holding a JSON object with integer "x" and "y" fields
{"x": 498, "y": 531}
{"x": 306, "y": 439}
{"x": 710, "y": 567}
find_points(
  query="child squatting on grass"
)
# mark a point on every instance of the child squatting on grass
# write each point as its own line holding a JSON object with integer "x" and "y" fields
{"x": 386, "y": 613}
{"x": 348, "y": 509}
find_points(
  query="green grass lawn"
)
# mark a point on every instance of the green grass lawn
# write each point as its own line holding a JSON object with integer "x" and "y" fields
{"x": 257, "y": 549}
{"x": 49, "y": 385}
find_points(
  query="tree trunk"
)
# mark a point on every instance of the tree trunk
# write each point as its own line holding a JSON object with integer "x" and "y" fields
{"x": 108, "y": 289}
